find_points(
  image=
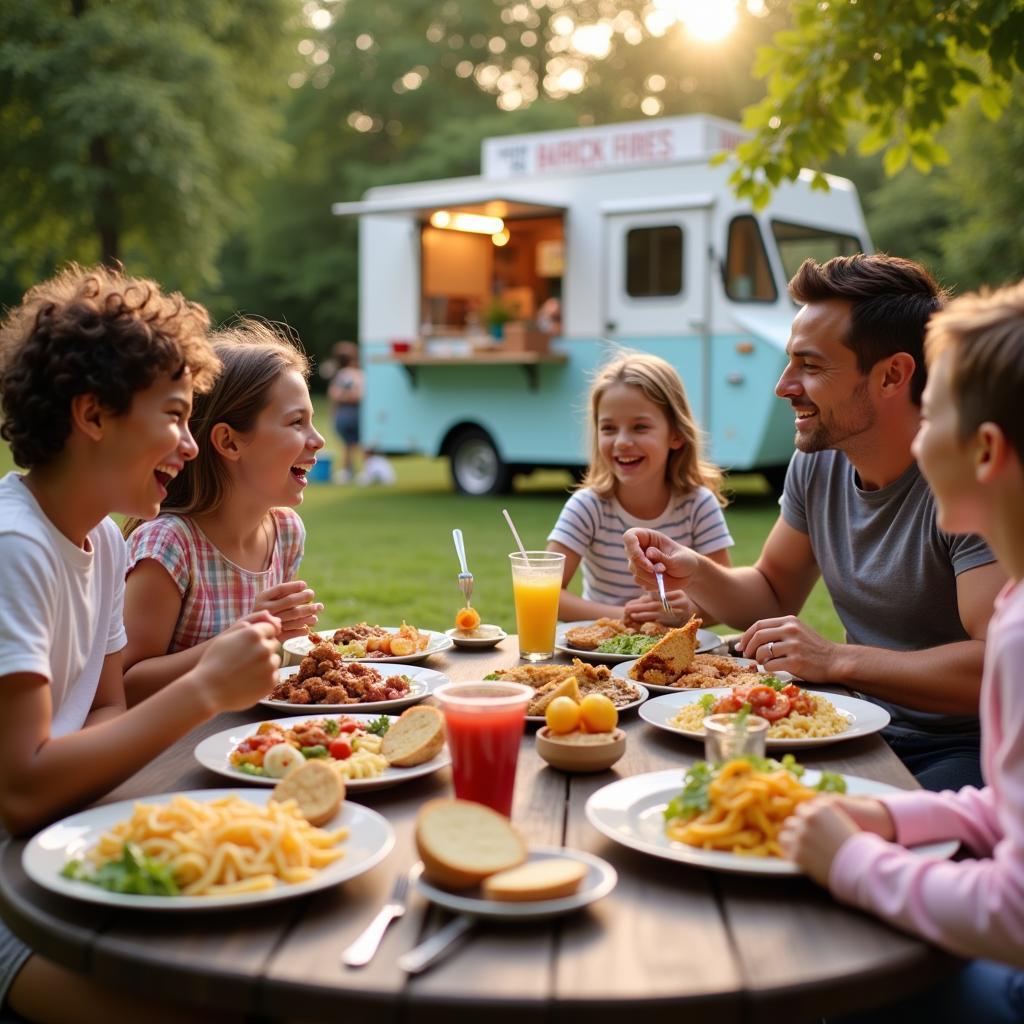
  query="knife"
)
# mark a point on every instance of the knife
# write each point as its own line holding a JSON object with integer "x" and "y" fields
{"x": 438, "y": 946}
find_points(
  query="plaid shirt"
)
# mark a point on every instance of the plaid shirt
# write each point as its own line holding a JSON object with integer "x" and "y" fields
{"x": 214, "y": 591}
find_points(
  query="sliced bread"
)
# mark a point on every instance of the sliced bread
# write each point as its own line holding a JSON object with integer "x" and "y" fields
{"x": 461, "y": 843}
{"x": 416, "y": 737}
{"x": 316, "y": 787}
{"x": 537, "y": 880}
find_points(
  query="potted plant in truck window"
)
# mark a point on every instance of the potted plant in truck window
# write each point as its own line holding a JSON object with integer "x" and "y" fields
{"x": 497, "y": 315}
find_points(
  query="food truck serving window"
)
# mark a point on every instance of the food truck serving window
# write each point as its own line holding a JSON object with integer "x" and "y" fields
{"x": 654, "y": 261}
{"x": 797, "y": 242}
{"x": 748, "y": 277}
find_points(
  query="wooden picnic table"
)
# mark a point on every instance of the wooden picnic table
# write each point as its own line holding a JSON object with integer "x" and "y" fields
{"x": 670, "y": 943}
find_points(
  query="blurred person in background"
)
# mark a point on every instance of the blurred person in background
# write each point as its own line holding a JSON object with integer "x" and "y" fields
{"x": 346, "y": 393}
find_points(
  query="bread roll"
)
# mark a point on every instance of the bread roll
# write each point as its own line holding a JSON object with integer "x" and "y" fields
{"x": 461, "y": 843}
{"x": 537, "y": 880}
{"x": 416, "y": 737}
{"x": 316, "y": 787}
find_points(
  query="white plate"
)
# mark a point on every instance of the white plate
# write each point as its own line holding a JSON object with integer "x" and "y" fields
{"x": 629, "y": 812}
{"x": 863, "y": 716}
{"x": 707, "y": 641}
{"x": 369, "y": 842}
{"x": 423, "y": 682}
{"x": 622, "y": 672}
{"x": 477, "y": 642}
{"x": 540, "y": 719}
{"x": 214, "y": 751}
{"x": 599, "y": 880}
{"x": 299, "y": 646}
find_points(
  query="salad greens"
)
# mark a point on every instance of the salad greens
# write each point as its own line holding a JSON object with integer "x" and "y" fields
{"x": 134, "y": 873}
{"x": 379, "y": 726}
{"x": 695, "y": 798}
{"x": 633, "y": 644}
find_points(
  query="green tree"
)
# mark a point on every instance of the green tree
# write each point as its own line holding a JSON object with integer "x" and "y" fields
{"x": 405, "y": 90}
{"x": 133, "y": 130}
{"x": 899, "y": 67}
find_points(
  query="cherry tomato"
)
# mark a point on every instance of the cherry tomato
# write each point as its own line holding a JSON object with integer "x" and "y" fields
{"x": 348, "y": 727}
{"x": 761, "y": 697}
{"x": 597, "y": 713}
{"x": 563, "y": 715}
{"x": 340, "y": 750}
{"x": 778, "y": 710}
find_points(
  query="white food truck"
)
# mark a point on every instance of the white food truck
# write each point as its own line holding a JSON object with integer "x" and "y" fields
{"x": 568, "y": 245}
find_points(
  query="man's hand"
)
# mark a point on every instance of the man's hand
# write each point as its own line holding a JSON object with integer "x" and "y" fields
{"x": 649, "y": 550}
{"x": 813, "y": 834}
{"x": 293, "y": 604}
{"x": 786, "y": 644}
{"x": 237, "y": 668}
{"x": 648, "y": 608}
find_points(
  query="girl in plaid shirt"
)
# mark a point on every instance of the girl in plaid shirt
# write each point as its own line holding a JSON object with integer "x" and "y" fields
{"x": 227, "y": 542}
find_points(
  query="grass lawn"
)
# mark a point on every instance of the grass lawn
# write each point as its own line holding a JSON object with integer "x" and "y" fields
{"x": 384, "y": 554}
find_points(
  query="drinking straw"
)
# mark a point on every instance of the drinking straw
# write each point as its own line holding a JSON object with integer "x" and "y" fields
{"x": 515, "y": 532}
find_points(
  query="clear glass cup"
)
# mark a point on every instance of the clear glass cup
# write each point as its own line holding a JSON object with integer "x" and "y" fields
{"x": 485, "y": 723}
{"x": 729, "y": 735}
{"x": 536, "y": 587}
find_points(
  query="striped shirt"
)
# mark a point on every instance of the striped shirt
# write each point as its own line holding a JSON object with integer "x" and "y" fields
{"x": 593, "y": 528}
{"x": 214, "y": 591}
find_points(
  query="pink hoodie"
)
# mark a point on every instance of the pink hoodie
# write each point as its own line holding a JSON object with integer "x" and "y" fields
{"x": 975, "y": 907}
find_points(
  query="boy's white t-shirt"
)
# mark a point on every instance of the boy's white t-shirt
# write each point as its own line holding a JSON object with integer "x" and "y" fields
{"x": 61, "y": 607}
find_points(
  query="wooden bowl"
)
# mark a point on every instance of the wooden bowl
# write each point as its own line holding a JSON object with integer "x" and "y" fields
{"x": 568, "y": 756}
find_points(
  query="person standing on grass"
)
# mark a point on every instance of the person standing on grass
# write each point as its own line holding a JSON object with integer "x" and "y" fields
{"x": 647, "y": 469}
{"x": 97, "y": 372}
{"x": 346, "y": 394}
{"x": 915, "y": 600}
{"x": 971, "y": 451}
{"x": 228, "y": 540}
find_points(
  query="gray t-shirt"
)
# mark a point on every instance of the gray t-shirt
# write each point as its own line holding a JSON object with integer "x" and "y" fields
{"x": 890, "y": 570}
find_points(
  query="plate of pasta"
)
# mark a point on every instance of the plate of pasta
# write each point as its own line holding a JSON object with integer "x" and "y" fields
{"x": 365, "y": 642}
{"x": 351, "y": 744}
{"x": 801, "y": 719}
{"x": 204, "y": 849}
{"x": 352, "y": 686}
{"x": 632, "y": 812}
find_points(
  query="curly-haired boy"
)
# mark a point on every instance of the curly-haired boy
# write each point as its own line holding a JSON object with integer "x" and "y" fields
{"x": 97, "y": 372}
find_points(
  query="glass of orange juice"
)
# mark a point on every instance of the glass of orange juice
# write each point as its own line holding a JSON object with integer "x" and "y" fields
{"x": 536, "y": 586}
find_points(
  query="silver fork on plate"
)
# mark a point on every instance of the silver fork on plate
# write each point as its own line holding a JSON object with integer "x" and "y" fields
{"x": 660, "y": 577}
{"x": 465, "y": 577}
{"x": 361, "y": 951}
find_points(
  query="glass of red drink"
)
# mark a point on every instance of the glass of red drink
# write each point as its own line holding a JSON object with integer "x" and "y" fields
{"x": 485, "y": 729}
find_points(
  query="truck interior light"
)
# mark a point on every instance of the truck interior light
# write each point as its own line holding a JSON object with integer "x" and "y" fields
{"x": 473, "y": 222}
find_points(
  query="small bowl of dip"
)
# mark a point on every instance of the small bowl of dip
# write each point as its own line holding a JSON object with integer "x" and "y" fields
{"x": 484, "y": 635}
{"x": 581, "y": 751}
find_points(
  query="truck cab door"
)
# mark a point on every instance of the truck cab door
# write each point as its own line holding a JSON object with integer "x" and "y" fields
{"x": 657, "y": 267}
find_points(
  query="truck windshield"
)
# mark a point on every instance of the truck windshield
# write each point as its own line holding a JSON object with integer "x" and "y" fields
{"x": 797, "y": 242}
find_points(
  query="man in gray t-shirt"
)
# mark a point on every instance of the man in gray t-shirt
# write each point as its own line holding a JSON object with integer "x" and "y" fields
{"x": 915, "y": 602}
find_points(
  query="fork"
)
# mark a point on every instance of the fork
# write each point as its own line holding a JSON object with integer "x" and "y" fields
{"x": 361, "y": 951}
{"x": 465, "y": 577}
{"x": 660, "y": 577}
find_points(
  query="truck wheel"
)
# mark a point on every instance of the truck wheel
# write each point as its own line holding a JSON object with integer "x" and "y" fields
{"x": 476, "y": 465}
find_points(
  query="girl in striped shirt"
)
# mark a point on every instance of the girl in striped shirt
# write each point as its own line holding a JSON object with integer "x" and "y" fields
{"x": 227, "y": 542}
{"x": 646, "y": 469}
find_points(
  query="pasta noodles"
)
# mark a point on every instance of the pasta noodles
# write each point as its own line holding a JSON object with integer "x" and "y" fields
{"x": 745, "y": 803}
{"x": 224, "y": 847}
{"x": 813, "y": 717}
{"x": 360, "y": 764}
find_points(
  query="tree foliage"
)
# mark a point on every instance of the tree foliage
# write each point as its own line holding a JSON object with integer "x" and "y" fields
{"x": 900, "y": 67}
{"x": 133, "y": 129}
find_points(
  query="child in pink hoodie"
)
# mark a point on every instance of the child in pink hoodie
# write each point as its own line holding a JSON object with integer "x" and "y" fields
{"x": 970, "y": 447}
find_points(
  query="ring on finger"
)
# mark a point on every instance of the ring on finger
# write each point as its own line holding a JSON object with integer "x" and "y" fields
{"x": 771, "y": 650}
